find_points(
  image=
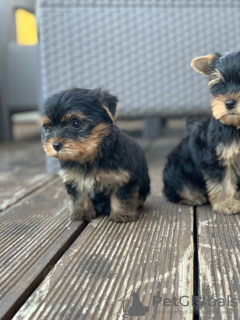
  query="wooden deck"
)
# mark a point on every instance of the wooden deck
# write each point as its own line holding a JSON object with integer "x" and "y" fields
{"x": 51, "y": 268}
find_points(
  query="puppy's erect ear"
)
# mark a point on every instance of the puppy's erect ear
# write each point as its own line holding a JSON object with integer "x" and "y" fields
{"x": 109, "y": 103}
{"x": 203, "y": 64}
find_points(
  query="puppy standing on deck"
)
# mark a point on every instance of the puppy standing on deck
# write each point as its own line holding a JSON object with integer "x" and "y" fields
{"x": 103, "y": 169}
{"x": 205, "y": 166}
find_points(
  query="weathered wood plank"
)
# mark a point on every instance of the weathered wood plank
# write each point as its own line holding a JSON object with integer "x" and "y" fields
{"x": 22, "y": 170}
{"x": 108, "y": 261}
{"x": 20, "y": 153}
{"x": 34, "y": 233}
{"x": 219, "y": 264}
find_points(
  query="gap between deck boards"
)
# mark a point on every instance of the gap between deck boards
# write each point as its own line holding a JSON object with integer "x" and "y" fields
{"x": 195, "y": 264}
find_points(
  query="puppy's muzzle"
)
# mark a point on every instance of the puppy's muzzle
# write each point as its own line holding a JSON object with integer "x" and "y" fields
{"x": 57, "y": 145}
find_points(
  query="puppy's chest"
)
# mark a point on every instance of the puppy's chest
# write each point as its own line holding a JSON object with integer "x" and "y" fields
{"x": 95, "y": 181}
{"x": 229, "y": 155}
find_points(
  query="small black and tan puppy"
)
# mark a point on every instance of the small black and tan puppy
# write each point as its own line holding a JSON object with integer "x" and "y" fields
{"x": 104, "y": 170}
{"x": 205, "y": 166}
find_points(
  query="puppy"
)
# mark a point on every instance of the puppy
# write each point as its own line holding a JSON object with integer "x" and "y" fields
{"x": 205, "y": 166}
{"x": 104, "y": 170}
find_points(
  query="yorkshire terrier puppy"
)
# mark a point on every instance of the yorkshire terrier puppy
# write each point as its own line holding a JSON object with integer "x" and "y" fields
{"x": 104, "y": 170}
{"x": 205, "y": 166}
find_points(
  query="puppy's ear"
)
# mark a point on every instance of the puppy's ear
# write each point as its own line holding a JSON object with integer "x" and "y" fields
{"x": 109, "y": 103}
{"x": 203, "y": 64}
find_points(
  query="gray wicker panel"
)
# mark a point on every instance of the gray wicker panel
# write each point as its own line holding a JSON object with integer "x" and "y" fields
{"x": 142, "y": 3}
{"x": 141, "y": 54}
{"x": 22, "y": 76}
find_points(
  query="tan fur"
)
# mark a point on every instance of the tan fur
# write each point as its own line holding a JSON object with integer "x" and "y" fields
{"x": 216, "y": 77}
{"x": 220, "y": 112}
{"x": 124, "y": 210}
{"x": 223, "y": 195}
{"x": 228, "y": 153}
{"x": 48, "y": 147}
{"x": 202, "y": 64}
{"x": 100, "y": 181}
{"x": 46, "y": 120}
{"x": 112, "y": 116}
{"x": 70, "y": 116}
{"x": 192, "y": 196}
{"x": 83, "y": 209}
{"x": 85, "y": 149}
{"x": 111, "y": 179}
{"x": 116, "y": 113}
{"x": 109, "y": 113}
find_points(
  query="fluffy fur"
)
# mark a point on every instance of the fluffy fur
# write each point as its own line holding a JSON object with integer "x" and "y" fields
{"x": 205, "y": 166}
{"x": 104, "y": 170}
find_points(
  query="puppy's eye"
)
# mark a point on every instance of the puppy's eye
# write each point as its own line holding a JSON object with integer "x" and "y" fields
{"x": 76, "y": 124}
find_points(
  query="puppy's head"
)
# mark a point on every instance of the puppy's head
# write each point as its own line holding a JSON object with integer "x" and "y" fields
{"x": 223, "y": 72}
{"x": 76, "y": 122}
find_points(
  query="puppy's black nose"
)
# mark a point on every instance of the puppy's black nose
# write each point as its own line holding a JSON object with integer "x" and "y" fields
{"x": 57, "y": 145}
{"x": 230, "y": 104}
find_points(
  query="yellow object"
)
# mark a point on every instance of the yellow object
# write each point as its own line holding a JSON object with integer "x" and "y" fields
{"x": 26, "y": 27}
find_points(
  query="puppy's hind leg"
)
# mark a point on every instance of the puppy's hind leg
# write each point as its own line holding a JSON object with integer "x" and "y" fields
{"x": 181, "y": 190}
{"x": 124, "y": 205}
{"x": 192, "y": 195}
{"x": 223, "y": 196}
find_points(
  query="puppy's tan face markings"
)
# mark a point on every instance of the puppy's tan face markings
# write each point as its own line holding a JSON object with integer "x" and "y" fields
{"x": 46, "y": 120}
{"x": 71, "y": 116}
{"x": 215, "y": 77}
{"x": 48, "y": 147}
{"x": 220, "y": 112}
{"x": 82, "y": 150}
{"x": 68, "y": 117}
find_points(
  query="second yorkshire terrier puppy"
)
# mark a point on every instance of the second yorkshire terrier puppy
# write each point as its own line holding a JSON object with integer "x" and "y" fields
{"x": 103, "y": 169}
{"x": 205, "y": 166}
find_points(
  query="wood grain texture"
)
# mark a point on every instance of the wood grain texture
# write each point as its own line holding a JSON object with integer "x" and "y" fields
{"x": 219, "y": 264}
{"x": 22, "y": 171}
{"x": 31, "y": 238}
{"x": 108, "y": 261}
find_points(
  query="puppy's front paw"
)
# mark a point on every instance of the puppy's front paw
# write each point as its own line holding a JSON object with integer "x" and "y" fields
{"x": 232, "y": 207}
{"x": 83, "y": 209}
{"x": 83, "y": 214}
{"x": 117, "y": 216}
